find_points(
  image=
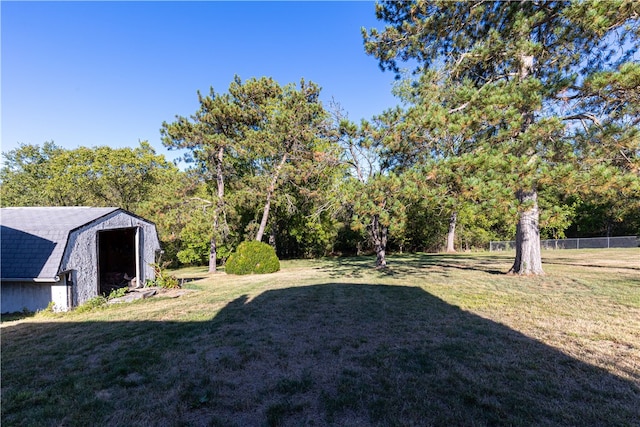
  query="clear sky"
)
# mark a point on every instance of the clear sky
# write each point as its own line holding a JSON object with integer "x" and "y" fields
{"x": 109, "y": 73}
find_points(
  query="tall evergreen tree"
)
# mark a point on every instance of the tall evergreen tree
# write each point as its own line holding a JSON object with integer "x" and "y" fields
{"x": 287, "y": 141}
{"x": 522, "y": 74}
{"x": 264, "y": 136}
{"x": 214, "y": 136}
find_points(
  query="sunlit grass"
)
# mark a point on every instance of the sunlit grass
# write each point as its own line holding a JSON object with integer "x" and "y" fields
{"x": 432, "y": 340}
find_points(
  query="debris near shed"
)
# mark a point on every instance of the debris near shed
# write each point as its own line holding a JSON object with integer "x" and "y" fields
{"x": 144, "y": 293}
{"x": 133, "y": 295}
{"x": 113, "y": 280}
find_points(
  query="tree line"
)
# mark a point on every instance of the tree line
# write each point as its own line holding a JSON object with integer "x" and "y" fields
{"x": 519, "y": 120}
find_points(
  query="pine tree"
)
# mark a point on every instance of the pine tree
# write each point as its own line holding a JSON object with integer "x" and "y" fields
{"x": 520, "y": 75}
{"x": 375, "y": 194}
{"x": 211, "y": 134}
{"x": 259, "y": 135}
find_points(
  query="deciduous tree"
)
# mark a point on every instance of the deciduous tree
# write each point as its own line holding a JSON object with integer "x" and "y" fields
{"x": 99, "y": 176}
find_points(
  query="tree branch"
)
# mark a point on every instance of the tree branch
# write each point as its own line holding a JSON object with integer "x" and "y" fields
{"x": 583, "y": 116}
{"x": 460, "y": 108}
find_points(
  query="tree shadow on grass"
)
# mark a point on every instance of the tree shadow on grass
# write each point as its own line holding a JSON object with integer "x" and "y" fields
{"x": 330, "y": 354}
{"x": 483, "y": 263}
{"x": 573, "y": 263}
{"x": 401, "y": 265}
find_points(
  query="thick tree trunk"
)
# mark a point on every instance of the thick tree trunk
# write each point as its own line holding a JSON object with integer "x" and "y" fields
{"x": 451, "y": 236}
{"x": 379, "y": 235}
{"x": 528, "y": 258}
{"x": 270, "y": 191}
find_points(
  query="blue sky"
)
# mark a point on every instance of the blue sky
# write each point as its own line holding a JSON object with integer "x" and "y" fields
{"x": 109, "y": 73}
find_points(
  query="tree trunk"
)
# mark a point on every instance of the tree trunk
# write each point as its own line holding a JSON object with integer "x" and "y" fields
{"x": 270, "y": 190}
{"x": 451, "y": 236}
{"x": 213, "y": 255}
{"x": 381, "y": 260}
{"x": 272, "y": 236}
{"x": 265, "y": 217}
{"x": 217, "y": 212}
{"x": 528, "y": 258}
{"x": 379, "y": 234}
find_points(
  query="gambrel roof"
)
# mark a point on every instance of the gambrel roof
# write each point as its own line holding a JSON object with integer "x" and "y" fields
{"x": 33, "y": 239}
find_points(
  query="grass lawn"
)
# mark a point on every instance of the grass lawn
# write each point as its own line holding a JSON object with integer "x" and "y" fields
{"x": 434, "y": 340}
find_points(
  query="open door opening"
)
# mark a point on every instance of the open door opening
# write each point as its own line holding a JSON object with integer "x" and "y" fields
{"x": 117, "y": 259}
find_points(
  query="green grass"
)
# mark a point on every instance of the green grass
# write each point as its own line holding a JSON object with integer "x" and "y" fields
{"x": 433, "y": 340}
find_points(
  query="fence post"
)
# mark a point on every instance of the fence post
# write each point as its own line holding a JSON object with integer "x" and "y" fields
{"x": 578, "y": 243}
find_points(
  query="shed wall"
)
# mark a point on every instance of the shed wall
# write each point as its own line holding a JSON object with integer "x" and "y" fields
{"x": 81, "y": 254}
{"x": 18, "y": 296}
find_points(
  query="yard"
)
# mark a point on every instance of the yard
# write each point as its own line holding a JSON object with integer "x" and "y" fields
{"x": 433, "y": 340}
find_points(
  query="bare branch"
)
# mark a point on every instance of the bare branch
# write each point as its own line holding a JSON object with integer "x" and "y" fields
{"x": 583, "y": 116}
{"x": 460, "y": 108}
{"x": 625, "y": 156}
{"x": 199, "y": 199}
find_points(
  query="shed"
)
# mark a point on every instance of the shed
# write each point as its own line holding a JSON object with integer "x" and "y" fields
{"x": 67, "y": 255}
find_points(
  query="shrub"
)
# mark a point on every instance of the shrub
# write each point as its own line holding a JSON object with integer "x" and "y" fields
{"x": 163, "y": 278}
{"x": 253, "y": 257}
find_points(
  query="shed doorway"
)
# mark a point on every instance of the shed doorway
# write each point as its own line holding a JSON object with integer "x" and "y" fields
{"x": 118, "y": 255}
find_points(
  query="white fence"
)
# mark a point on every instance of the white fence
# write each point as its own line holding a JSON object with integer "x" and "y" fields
{"x": 579, "y": 243}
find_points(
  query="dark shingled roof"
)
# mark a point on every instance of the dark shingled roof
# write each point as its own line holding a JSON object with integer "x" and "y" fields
{"x": 33, "y": 240}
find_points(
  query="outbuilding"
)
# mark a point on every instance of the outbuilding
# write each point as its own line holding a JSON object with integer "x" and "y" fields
{"x": 67, "y": 255}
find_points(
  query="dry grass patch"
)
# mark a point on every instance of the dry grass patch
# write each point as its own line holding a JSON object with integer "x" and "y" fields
{"x": 433, "y": 340}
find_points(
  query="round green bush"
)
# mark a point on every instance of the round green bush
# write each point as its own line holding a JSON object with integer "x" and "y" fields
{"x": 253, "y": 257}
